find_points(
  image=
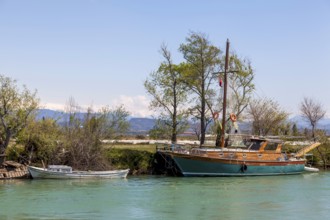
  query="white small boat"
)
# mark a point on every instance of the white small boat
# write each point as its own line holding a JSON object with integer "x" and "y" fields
{"x": 311, "y": 169}
{"x": 66, "y": 172}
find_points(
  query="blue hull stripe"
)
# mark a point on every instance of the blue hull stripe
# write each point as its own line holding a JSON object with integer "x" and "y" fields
{"x": 190, "y": 167}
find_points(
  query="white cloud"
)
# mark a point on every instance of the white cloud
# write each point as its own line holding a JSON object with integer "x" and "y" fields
{"x": 138, "y": 106}
{"x": 53, "y": 106}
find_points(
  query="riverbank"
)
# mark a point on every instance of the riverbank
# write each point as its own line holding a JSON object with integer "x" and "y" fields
{"x": 142, "y": 159}
{"x": 138, "y": 158}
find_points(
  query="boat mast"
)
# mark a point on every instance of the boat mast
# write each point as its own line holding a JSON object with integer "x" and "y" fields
{"x": 225, "y": 97}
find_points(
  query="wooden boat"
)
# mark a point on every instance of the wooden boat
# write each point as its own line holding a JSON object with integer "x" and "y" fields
{"x": 257, "y": 156}
{"x": 66, "y": 172}
{"x": 13, "y": 170}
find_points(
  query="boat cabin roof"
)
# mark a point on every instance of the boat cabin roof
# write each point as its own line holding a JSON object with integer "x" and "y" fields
{"x": 60, "y": 168}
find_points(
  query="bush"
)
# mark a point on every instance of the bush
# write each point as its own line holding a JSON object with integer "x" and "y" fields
{"x": 140, "y": 137}
{"x": 16, "y": 153}
{"x": 139, "y": 162}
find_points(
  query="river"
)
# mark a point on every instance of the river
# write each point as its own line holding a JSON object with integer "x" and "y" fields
{"x": 303, "y": 196}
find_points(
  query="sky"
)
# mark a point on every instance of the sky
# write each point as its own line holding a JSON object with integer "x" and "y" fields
{"x": 101, "y": 52}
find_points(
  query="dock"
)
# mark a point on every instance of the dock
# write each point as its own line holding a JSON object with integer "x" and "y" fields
{"x": 13, "y": 170}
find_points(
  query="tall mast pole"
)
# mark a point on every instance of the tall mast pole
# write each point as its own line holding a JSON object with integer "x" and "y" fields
{"x": 225, "y": 97}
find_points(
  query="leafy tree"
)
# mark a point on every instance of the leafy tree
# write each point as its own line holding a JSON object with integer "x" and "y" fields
{"x": 266, "y": 115}
{"x": 313, "y": 112}
{"x": 203, "y": 59}
{"x": 295, "y": 131}
{"x": 160, "y": 130}
{"x": 240, "y": 84}
{"x": 323, "y": 151}
{"x": 116, "y": 122}
{"x": 169, "y": 96}
{"x": 283, "y": 128}
{"x": 42, "y": 141}
{"x": 16, "y": 108}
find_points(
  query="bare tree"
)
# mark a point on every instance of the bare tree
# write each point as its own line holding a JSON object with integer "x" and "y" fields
{"x": 84, "y": 132}
{"x": 196, "y": 127}
{"x": 312, "y": 111}
{"x": 266, "y": 116}
{"x": 240, "y": 86}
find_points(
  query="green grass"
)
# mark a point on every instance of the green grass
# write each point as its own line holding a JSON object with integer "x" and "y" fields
{"x": 139, "y": 147}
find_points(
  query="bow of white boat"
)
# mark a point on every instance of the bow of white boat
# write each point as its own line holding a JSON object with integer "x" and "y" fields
{"x": 311, "y": 169}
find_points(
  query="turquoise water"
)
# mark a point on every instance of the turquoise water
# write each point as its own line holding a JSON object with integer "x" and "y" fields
{"x": 303, "y": 196}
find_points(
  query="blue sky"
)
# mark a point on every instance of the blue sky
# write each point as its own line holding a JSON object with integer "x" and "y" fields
{"x": 100, "y": 52}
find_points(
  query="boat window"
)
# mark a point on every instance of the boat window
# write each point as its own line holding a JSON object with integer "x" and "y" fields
{"x": 271, "y": 146}
{"x": 255, "y": 145}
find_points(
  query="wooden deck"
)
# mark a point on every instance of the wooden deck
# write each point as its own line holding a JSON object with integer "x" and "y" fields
{"x": 305, "y": 150}
{"x": 13, "y": 170}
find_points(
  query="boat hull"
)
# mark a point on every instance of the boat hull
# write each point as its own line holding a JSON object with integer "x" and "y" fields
{"x": 200, "y": 166}
{"x": 311, "y": 169}
{"x": 41, "y": 173}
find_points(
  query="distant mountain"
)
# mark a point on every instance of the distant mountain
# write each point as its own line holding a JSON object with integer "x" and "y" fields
{"x": 59, "y": 116}
{"x": 143, "y": 125}
{"x": 301, "y": 123}
{"x": 47, "y": 113}
{"x": 137, "y": 125}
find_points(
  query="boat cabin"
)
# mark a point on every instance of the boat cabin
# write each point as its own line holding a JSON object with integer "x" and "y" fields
{"x": 264, "y": 144}
{"x": 60, "y": 168}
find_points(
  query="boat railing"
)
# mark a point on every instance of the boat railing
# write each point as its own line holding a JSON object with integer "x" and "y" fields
{"x": 192, "y": 149}
{"x": 205, "y": 149}
{"x": 174, "y": 148}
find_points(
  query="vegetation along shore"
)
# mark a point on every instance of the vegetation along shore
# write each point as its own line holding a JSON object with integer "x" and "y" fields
{"x": 186, "y": 98}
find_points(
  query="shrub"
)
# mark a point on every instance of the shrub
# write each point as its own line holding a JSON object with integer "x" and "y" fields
{"x": 139, "y": 162}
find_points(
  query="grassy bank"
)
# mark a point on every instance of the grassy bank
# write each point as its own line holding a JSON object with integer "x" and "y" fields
{"x": 138, "y": 158}
{"x": 139, "y": 147}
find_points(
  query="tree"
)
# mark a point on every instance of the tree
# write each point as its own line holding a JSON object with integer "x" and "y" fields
{"x": 83, "y": 135}
{"x": 295, "y": 131}
{"x": 115, "y": 119}
{"x": 169, "y": 96}
{"x": 240, "y": 84}
{"x": 306, "y": 133}
{"x": 313, "y": 112}
{"x": 161, "y": 129}
{"x": 42, "y": 141}
{"x": 323, "y": 151}
{"x": 266, "y": 115}
{"x": 203, "y": 60}
{"x": 241, "y": 87}
{"x": 16, "y": 108}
